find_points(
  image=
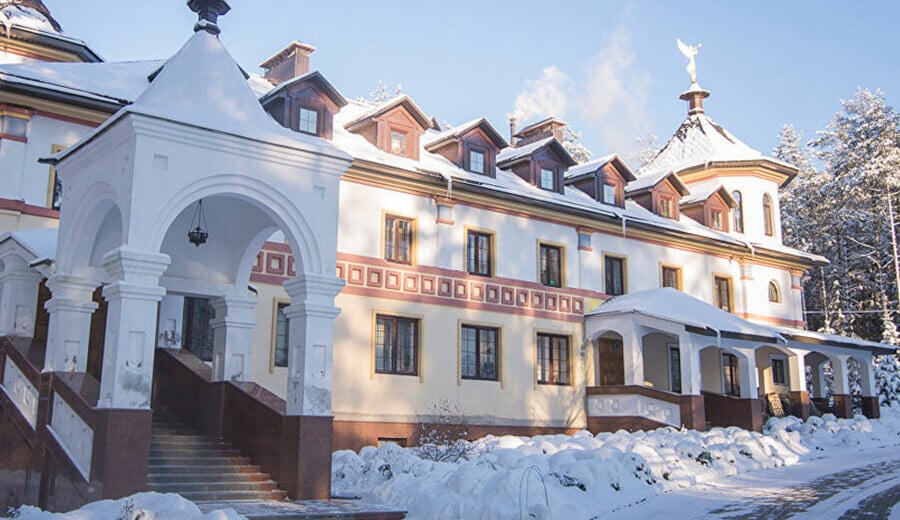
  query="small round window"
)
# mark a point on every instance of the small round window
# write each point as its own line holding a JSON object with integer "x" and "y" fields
{"x": 774, "y": 293}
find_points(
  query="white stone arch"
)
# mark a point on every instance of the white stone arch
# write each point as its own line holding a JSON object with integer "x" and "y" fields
{"x": 711, "y": 368}
{"x": 655, "y": 353}
{"x": 763, "y": 355}
{"x": 80, "y": 227}
{"x": 289, "y": 218}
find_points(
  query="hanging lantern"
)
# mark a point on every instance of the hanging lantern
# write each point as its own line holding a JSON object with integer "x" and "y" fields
{"x": 197, "y": 234}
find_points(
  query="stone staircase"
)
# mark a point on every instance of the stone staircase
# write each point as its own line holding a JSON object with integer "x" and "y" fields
{"x": 202, "y": 469}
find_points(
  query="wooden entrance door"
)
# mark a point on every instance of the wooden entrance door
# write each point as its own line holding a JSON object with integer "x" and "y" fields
{"x": 610, "y": 362}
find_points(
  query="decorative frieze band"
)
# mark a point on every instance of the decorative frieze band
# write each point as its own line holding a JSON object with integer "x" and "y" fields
{"x": 379, "y": 278}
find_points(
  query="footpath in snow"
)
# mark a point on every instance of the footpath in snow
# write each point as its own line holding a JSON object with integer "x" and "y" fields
{"x": 583, "y": 475}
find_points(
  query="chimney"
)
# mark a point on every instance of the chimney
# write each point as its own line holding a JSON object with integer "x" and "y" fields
{"x": 512, "y": 132}
{"x": 290, "y": 62}
{"x": 550, "y": 127}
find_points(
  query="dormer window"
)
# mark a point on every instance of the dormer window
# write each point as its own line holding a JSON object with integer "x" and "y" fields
{"x": 309, "y": 121}
{"x": 398, "y": 143}
{"x": 548, "y": 178}
{"x": 609, "y": 194}
{"x": 715, "y": 219}
{"x": 665, "y": 207}
{"x": 476, "y": 161}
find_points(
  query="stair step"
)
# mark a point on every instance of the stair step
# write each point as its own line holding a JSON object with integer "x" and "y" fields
{"x": 234, "y": 495}
{"x": 165, "y": 478}
{"x": 175, "y": 469}
{"x": 199, "y": 460}
{"x": 193, "y": 487}
{"x": 181, "y": 451}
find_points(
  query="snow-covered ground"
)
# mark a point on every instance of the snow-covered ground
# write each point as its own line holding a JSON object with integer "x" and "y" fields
{"x": 823, "y": 468}
{"x": 142, "y": 506}
{"x": 584, "y": 475}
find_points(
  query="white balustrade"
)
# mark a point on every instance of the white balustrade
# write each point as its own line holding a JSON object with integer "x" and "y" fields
{"x": 73, "y": 435}
{"x": 634, "y": 405}
{"x": 20, "y": 391}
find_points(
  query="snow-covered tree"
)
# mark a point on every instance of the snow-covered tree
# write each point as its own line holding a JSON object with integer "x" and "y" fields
{"x": 887, "y": 379}
{"x": 382, "y": 93}
{"x": 646, "y": 146}
{"x": 572, "y": 144}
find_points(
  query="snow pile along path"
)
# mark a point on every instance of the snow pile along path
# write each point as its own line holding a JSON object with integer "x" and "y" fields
{"x": 581, "y": 474}
{"x": 142, "y": 506}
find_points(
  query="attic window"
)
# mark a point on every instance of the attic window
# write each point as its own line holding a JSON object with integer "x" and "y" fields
{"x": 398, "y": 143}
{"x": 665, "y": 207}
{"x": 476, "y": 161}
{"x": 309, "y": 121}
{"x": 548, "y": 179}
{"x": 609, "y": 194}
{"x": 13, "y": 127}
{"x": 715, "y": 219}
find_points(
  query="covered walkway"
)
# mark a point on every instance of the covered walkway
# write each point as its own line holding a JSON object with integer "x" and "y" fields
{"x": 662, "y": 357}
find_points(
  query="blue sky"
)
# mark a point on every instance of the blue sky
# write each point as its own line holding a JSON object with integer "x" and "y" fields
{"x": 609, "y": 68}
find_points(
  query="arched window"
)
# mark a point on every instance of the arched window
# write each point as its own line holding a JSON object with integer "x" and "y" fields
{"x": 774, "y": 293}
{"x": 767, "y": 215}
{"x": 738, "y": 212}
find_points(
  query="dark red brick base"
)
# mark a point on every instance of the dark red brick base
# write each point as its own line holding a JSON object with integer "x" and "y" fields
{"x": 871, "y": 408}
{"x": 799, "y": 404}
{"x": 843, "y": 406}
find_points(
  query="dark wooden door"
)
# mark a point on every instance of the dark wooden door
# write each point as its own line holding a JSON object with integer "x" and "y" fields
{"x": 610, "y": 362}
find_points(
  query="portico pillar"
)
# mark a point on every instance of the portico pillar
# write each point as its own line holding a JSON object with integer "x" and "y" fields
{"x": 311, "y": 342}
{"x": 799, "y": 395}
{"x": 633, "y": 356}
{"x": 843, "y": 406}
{"x": 232, "y": 337}
{"x": 750, "y": 409}
{"x": 69, "y": 327}
{"x": 870, "y": 405}
{"x": 18, "y": 297}
{"x": 130, "y": 326}
{"x": 309, "y": 425}
{"x": 693, "y": 410}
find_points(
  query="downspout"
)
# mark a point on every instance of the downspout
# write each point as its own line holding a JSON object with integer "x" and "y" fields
{"x": 624, "y": 219}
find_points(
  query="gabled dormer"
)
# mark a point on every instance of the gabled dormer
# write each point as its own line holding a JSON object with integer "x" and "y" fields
{"x": 710, "y": 205}
{"x": 603, "y": 179}
{"x": 473, "y": 146}
{"x": 305, "y": 104}
{"x": 660, "y": 194}
{"x": 542, "y": 163}
{"x": 394, "y": 126}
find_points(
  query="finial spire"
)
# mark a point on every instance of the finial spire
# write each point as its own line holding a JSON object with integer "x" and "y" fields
{"x": 208, "y": 12}
{"x": 695, "y": 93}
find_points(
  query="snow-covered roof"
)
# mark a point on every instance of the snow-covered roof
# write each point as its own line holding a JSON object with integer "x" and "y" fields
{"x": 835, "y": 340}
{"x": 703, "y": 190}
{"x": 39, "y": 242}
{"x": 388, "y": 105}
{"x": 437, "y": 139}
{"x": 672, "y": 305}
{"x": 645, "y": 182}
{"x": 34, "y": 16}
{"x": 698, "y": 141}
{"x": 202, "y": 86}
{"x": 595, "y": 164}
{"x": 512, "y": 155}
{"x": 117, "y": 82}
{"x": 312, "y": 75}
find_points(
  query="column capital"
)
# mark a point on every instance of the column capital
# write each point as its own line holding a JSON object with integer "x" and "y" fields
{"x": 234, "y": 311}
{"x": 132, "y": 291}
{"x": 134, "y": 266}
{"x": 313, "y": 288}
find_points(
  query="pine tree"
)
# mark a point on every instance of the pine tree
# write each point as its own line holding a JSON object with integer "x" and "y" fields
{"x": 646, "y": 146}
{"x": 572, "y": 144}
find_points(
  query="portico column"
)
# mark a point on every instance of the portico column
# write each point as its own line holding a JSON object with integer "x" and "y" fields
{"x": 311, "y": 342}
{"x": 751, "y": 408}
{"x": 633, "y": 355}
{"x": 232, "y": 337}
{"x": 309, "y": 425}
{"x": 693, "y": 409}
{"x": 799, "y": 394}
{"x": 18, "y": 297}
{"x": 69, "y": 328}
{"x": 843, "y": 407}
{"x": 130, "y": 326}
{"x": 870, "y": 405}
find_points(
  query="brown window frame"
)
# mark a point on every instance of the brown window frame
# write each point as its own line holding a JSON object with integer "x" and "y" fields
{"x": 479, "y": 331}
{"x": 662, "y": 276}
{"x": 394, "y": 238}
{"x": 558, "y": 371}
{"x": 731, "y": 385}
{"x": 607, "y": 273}
{"x": 717, "y": 301}
{"x": 474, "y": 253}
{"x": 544, "y": 270}
{"x": 540, "y": 174}
{"x": 318, "y": 112}
{"x": 394, "y": 346}
{"x": 774, "y": 292}
{"x": 768, "y": 216}
{"x": 406, "y": 141}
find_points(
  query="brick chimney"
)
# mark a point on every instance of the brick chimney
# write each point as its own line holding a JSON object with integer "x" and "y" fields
{"x": 290, "y": 62}
{"x": 540, "y": 130}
